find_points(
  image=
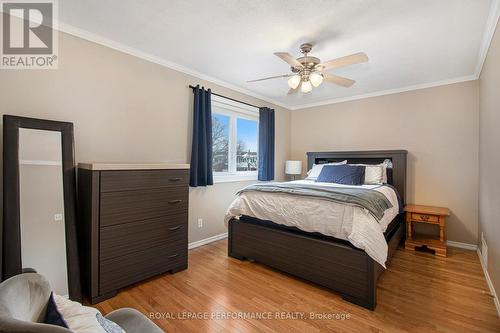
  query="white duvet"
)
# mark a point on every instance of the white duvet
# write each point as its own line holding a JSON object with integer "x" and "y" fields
{"x": 310, "y": 214}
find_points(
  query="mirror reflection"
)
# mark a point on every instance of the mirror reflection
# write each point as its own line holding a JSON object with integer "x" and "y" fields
{"x": 43, "y": 241}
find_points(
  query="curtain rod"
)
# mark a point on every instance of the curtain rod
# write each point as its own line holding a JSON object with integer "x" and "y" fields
{"x": 232, "y": 99}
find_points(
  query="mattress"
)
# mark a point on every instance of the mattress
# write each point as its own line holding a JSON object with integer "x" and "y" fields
{"x": 315, "y": 215}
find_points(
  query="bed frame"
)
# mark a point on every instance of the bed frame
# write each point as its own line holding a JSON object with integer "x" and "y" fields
{"x": 323, "y": 260}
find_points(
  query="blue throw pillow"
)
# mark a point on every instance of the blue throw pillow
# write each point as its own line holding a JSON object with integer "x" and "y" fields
{"x": 52, "y": 315}
{"x": 342, "y": 174}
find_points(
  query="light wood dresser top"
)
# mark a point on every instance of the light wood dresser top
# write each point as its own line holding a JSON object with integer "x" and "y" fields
{"x": 131, "y": 166}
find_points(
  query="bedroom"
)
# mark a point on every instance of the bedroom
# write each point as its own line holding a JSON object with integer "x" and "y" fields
{"x": 424, "y": 97}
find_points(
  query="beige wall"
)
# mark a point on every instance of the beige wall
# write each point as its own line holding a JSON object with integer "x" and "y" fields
{"x": 127, "y": 109}
{"x": 489, "y": 158}
{"x": 439, "y": 128}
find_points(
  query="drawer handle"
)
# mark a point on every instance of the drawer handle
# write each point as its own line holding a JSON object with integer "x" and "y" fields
{"x": 175, "y": 179}
{"x": 172, "y": 202}
{"x": 424, "y": 217}
{"x": 173, "y": 256}
{"x": 174, "y": 228}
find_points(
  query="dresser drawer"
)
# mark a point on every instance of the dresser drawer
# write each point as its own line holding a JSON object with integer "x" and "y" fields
{"x": 425, "y": 218}
{"x": 123, "y": 271}
{"x": 130, "y": 206}
{"x": 124, "y": 239}
{"x": 142, "y": 179}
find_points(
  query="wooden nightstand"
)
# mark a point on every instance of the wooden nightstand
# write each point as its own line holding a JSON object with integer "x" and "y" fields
{"x": 429, "y": 215}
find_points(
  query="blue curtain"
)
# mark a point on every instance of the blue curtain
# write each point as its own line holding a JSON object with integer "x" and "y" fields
{"x": 201, "y": 151}
{"x": 266, "y": 144}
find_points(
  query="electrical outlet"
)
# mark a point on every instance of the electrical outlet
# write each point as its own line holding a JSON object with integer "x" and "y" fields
{"x": 200, "y": 223}
{"x": 58, "y": 217}
{"x": 484, "y": 249}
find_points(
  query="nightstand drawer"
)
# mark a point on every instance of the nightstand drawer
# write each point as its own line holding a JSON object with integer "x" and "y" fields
{"x": 425, "y": 217}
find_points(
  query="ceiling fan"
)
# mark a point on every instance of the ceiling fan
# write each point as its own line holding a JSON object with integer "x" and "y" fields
{"x": 308, "y": 71}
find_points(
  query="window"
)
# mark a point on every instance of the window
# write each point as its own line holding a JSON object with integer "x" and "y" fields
{"x": 235, "y": 133}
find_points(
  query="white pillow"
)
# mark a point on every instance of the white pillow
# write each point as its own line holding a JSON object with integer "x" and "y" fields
{"x": 80, "y": 319}
{"x": 386, "y": 164}
{"x": 316, "y": 169}
{"x": 376, "y": 173}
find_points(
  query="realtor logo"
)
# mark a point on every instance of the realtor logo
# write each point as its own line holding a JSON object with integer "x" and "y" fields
{"x": 29, "y": 37}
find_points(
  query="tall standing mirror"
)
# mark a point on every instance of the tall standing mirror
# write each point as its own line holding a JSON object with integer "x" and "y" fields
{"x": 39, "y": 229}
{"x": 41, "y": 206}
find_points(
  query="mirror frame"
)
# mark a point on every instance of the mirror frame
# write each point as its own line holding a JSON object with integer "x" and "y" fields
{"x": 11, "y": 258}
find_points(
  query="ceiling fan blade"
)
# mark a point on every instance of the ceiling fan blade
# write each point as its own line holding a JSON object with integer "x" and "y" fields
{"x": 339, "y": 80}
{"x": 292, "y": 91}
{"x": 270, "y": 78}
{"x": 288, "y": 58}
{"x": 344, "y": 61}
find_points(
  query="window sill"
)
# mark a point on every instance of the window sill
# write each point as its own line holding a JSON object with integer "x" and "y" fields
{"x": 230, "y": 178}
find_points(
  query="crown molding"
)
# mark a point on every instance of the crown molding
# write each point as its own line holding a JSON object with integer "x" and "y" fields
{"x": 483, "y": 52}
{"x": 89, "y": 36}
{"x": 489, "y": 32}
{"x": 387, "y": 92}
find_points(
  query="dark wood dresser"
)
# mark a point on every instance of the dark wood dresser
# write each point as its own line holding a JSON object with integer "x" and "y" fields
{"x": 133, "y": 224}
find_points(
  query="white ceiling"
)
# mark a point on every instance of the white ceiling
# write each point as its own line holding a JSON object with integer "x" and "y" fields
{"x": 410, "y": 44}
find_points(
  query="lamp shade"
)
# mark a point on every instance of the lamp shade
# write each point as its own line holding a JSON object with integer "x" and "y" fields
{"x": 294, "y": 81}
{"x": 293, "y": 167}
{"x": 306, "y": 86}
{"x": 316, "y": 79}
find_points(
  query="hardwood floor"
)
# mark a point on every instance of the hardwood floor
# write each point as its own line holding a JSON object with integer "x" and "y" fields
{"x": 417, "y": 293}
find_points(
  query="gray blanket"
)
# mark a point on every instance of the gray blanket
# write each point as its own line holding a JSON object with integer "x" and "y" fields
{"x": 373, "y": 201}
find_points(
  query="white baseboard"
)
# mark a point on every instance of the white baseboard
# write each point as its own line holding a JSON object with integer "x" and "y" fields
{"x": 460, "y": 245}
{"x": 488, "y": 281}
{"x": 206, "y": 241}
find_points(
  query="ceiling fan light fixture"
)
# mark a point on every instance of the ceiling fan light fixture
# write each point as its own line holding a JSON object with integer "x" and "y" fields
{"x": 306, "y": 86}
{"x": 308, "y": 71}
{"x": 316, "y": 79}
{"x": 294, "y": 81}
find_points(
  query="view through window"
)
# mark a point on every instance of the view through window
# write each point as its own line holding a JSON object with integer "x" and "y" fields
{"x": 246, "y": 144}
{"x": 220, "y": 138}
{"x": 235, "y": 129}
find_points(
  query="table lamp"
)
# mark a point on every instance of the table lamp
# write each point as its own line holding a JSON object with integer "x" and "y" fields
{"x": 293, "y": 168}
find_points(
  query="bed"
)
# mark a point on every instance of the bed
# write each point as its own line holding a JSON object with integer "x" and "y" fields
{"x": 322, "y": 259}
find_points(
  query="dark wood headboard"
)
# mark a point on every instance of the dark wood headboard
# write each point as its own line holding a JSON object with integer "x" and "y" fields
{"x": 396, "y": 176}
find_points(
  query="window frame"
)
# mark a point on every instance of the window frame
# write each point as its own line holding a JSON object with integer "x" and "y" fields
{"x": 234, "y": 110}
